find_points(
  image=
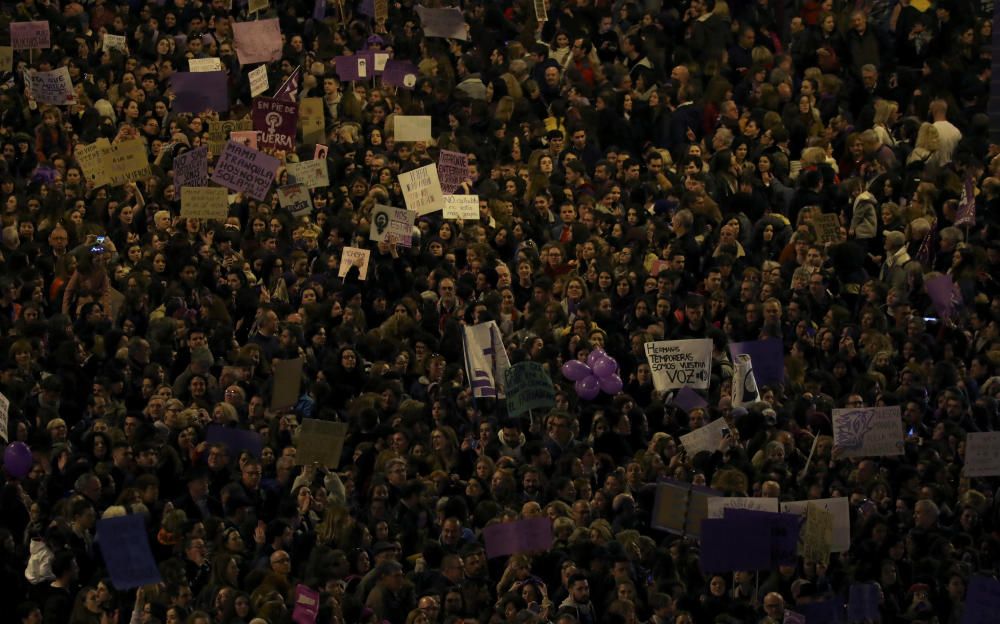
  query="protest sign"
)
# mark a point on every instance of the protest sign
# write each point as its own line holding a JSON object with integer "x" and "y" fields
{"x": 381, "y": 10}
{"x": 944, "y": 294}
{"x": 400, "y": 74}
{"x": 258, "y": 41}
{"x": 453, "y": 169}
{"x": 827, "y": 228}
{"x": 295, "y": 199}
{"x": 981, "y": 456}
{"x": 486, "y": 361}
{"x": 245, "y": 170}
{"x": 862, "y": 603}
{"x": 276, "y": 121}
{"x": 246, "y": 138}
{"x": 93, "y": 159}
{"x": 528, "y": 388}
{"x": 320, "y": 441}
{"x": 52, "y": 87}
{"x": 422, "y": 190}
{"x": 306, "y": 605}
{"x": 210, "y": 64}
{"x": 838, "y": 508}
{"x": 312, "y": 173}
{"x": 258, "y": 80}
{"x": 728, "y": 545}
{"x": 287, "y": 382}
{"x": 197, "y": 92}
{"x": 541, "y": 12}
{"x": 448, "y": 23}
{"x": 745, "y": 390}
{"x": 509, "y": 538}
{"x": 30, "y": 35}
{"x": 411, "y": 127}
{"x": 204, "y": 202}
{"x": 127, "y": 161}
{"x": 982, "y": 601}
{"x": 705, "y": 438}
{"x": 125, "y": 548}
{"x": 312, "y": 121}
{"x": 219, "y": 131}
{"x": 817, "y": 535}
{"x": 380, "y": 59}
{"x": 6, "y": 58}
{"x": 392, "y": 225}
{"x": 321, "y": 152}
{"x": 679, "y": 363}
{"x": 717, "y": 506}
{"x": 680, "y": 507}
{"x": 966, "y": 213}
{"x": 353, "y": 67}
{"x": 115, "y": 42}
{"x": 234, "y": 439}
{"x": 462, "y": 207}
{"x": 826, "y": 612}
{"x": 4, "y": 417}
{"x": 768, "y": 359}
{"x": 191, "y": 168}
{"x": 868, "y": 431}
{"x": 783, "y": 528}
{"x": 354, "y": 256}
{"x": 687, "y": 399}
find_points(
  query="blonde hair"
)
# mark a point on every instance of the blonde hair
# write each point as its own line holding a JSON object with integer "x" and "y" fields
{"x": 884, "y": 109}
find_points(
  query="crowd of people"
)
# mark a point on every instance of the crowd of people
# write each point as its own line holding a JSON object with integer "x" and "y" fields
{"x": 645, "y": 171}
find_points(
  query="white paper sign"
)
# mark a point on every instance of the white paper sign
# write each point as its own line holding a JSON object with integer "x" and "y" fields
{"x": 465, "y": 207}
{"x": 52, "y": 87}
{"x": 705, "y": 438}
{"x": 312, "y": 173}
{"x": 116, "y": 42}
{"x": 381, "y": 58}
{"x": 258, "y": 80}
{"x": 718, "y": 504}
{"x": 205, "y": 64}
{"x": 982, "y": 454}
{"x": 411, "y": 127}
{"x": 4, "y": 417}
{"x": 868, "y": 431}
{"x": 841, "y": 518}
{"x": 422, "y": 190}
{"x": 679, "y": 363}
{"x": 392, "y": 225}
{"x": 354, "y": 256}
{"x": 295, "y": 199}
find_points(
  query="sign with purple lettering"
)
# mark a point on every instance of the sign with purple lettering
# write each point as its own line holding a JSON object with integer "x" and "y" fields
{"x": 245, "y": 170}
{"x": 29, "y": 35}
{"x": 276, "y": 121}
{"x": 191, "y": 168}
{"x": 453, "y": 169}
{"x": 509, "y": 538}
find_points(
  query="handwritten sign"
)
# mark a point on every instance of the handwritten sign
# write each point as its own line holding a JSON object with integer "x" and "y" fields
{"x": 200, "y": 65}
{"x": 312, "y": 173}
{"x": 818, "y": 534}
{"x": 245, "y": 170}
{"x": 411, "y": 127}
{"x": 295, "y": 199}
{"x": 541, "y": 12}
{"x": 52, "y": 87}
{"x": 30, "y": 35}
{"x": 422, "y": 190}
{"x": 320, "y": 441}
{"x": 93, "y": 159}
{"x": 191, "y": 168}
{"x": 838, "y": 508}
{"x": 312, "y": 120}
{"x": 868, "y": 432}
{"x": 679, "y": 363}
{"x": 529, "y": 387}
{"x": 508, "y": 538}
{"x": 258, "y": 41}
{"x": 354, "y": 256}
{"x": 258, "y": 80}
{"x": 219, "y": 131}
{"x": 392, "y": 225}
{"x": 704, "y": 438}
{"x": 981, "y": 456}
{"x": 204, "y": 202}
{"x": 115, "y": 42}
{"x": 275, "y": 120}
{"x": 453, "y": 169}
{"x": 127, "y": 161}
{"x": 827, "y": 228}
{"x": 463, "y": 207}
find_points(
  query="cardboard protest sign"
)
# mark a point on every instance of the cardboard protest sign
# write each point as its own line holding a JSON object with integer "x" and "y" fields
{"x": 400, "y": 74}
{"x": 295, "y": 199}
{"x": 245, "y": 170}
{"x": 718, "y": 506}
{"x": 422, "y": 190}
{"x": 838, "y": 508}
{"x": 258, "y": 80}
{"x": 287, "y": 382}
{"x": 461, "y": 207}
{"x": 453, "y": 169}
{"x": 321, "y": 442}
{"x": 126, "y": 553}
{"x": 768, "y": 359}
{"x": 679, "y": 363}
{"x": 448, "y": 23}
{"x": 827, "y": 227}
{"x": 52, "y": 87}
{"x": 115, "y": 42}
{"x": 411, "y": 127}
{"x": 235, "y": 440}
{"x": 509, "y": 538}
{"x": 30, "y": 35}
{"x": 4, "y": 417}
{"x": 219, "y": 131}
{"x": 783, "y": 532}
{"x": 862, "y": 603}
{"x": 6, "y": 58}
{"x": 127, "y": 161}
{"x": 197, "y": 92}
{"x": 312, "y": 173}
{"x": 258, "y": 41}
{"x": 276, "y": 121}
{"x": 354, "y": 256}
{"x": 312, "y": 120}
{"x": 380, "y": 59}
{"x": 817, "y": 535}
{"x": 868, "y": 431}
{"x": 981, "y": 456}
{"x": 210, "y": 64}
{"x": 93, "y": 159}
{"x": 392, "y": 225}
{"x": 204, "y": 202}
{"x": 306, "y": 605}
{"x": 680, "y": 507}
{"x": 528, "y": 387}
{"x": 246, "y": 138}
{"x": 705, "y": 438}
{"x": 982, "y": 601}
{"x": 191, "y": 168}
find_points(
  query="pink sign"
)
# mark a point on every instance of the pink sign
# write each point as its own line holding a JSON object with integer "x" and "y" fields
{"x": 258, "y": 41}
{"x": 508, "y": 538}
{"x": 29, "y": 35}
{"x": 306, "y": 605}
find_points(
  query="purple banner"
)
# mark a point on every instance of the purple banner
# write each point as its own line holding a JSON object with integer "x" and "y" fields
{"x": 276, "y": 121}
{"x": 125, "y": 549}
{"x": 236, "y": 440}
{"x": 400, "y": 74}
{"x": 730, "y": 545}
{"x": 245, "y": 170}
{"x": 355, "y": 67}
{"x": 508, "y": 538}
{"x": 783, "y": 529}
{"x": 197, "y": 92}
{"x": 768, "y": 358}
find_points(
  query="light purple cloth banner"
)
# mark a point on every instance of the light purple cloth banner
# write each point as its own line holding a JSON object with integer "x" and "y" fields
{"x": 509, "y": 538}
{"x": 400, "y": 74}
{"x": 245, "y": 170}
{"x": 258, "y": 41}
{"x": 448, "y": 23}
{"x": 191, "y": 168}
{"x": 197, "y": 92}
{"x": 30, "y": 35}
{"x": 235, "y": 440}
{"x": 276, "y": 122}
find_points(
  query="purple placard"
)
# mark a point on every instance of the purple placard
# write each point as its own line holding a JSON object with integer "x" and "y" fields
{"x": 944, "y": 294}
{"x": 30, "y": 35}
{"x": 768, "y": 358}
{"x": 400, "y": 74}
{"x": 688, "y": 399}
{"x": 862, "y": 602}
{"x": 453, "y": 169}
{"x": 125, "y": 549}
{"x": 982, "y": 599}
{"x": 197, "y": 92}
{"x": 508, "y": 538}
{"x": 191, "y": 168}
{"x": 783, "y": 528}
{"x": 276, "y": 121}
{"x": 732, "y": 544}
{"x": 306, "y": 605}
{"x": 355, "y": 67}
{"x": 245, "y": 170}
{"x": 827, "y": 612}
{"x": 236, "y": 440}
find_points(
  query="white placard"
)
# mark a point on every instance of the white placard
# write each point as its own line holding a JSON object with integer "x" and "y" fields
{"x": 258, "y": 80}
{"x": 422, "y": 190}
{"x": 312, "y": 173}
{"x": 52, "y": 87}
{"x": 982, "y": 454}
{"x": 679, "y": 363}
{"x": 705, "y": 438}
{"x": 295, "y": 199}
{"x": 868, "y": 431}
{"x": 411, "y": 127}
{"x": 841, "y": 518}
{"x": 115, "y": 42}
{"x": 717, "y": 505}
{"x": 205, "y": 64}
{"x": 392, "y": 225}
{"x": 464, "y": 207}
{"x": 354, "y": 256}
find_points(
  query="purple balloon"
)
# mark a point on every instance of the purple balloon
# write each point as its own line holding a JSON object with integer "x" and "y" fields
{"x": 588, "y": 388}
{"x": 612, "y": 384}
{"x": 575, "y": 370}
{"x": 605, "y": 366}
{"x": 594, "y": 356}
{"x": 17, "y": 460}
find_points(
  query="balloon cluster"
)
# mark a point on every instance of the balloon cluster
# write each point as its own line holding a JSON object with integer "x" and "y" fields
{"x": 17, "y": 460}
{"x": 599, "y": 373}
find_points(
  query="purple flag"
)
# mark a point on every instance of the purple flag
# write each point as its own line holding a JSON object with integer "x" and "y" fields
{"x": 125, "y": 549}
{"x": 862, "y": 602}
{"x": 235, "y": 440}
{"x": 197, "y": 92}
{"x": 245, "y": 170}
{"x": 768, "y": 359}
{"x": 191, "y": 168}
{"x": 400, "y": 74}
{"x": 289, "y": 89}
{"x": 966, "y": 214}
{"x": 276, "y": 121}
{"x": 508, "y": 538}
{"x": 982, "y": 599}
{"x": 731, "y": 544}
